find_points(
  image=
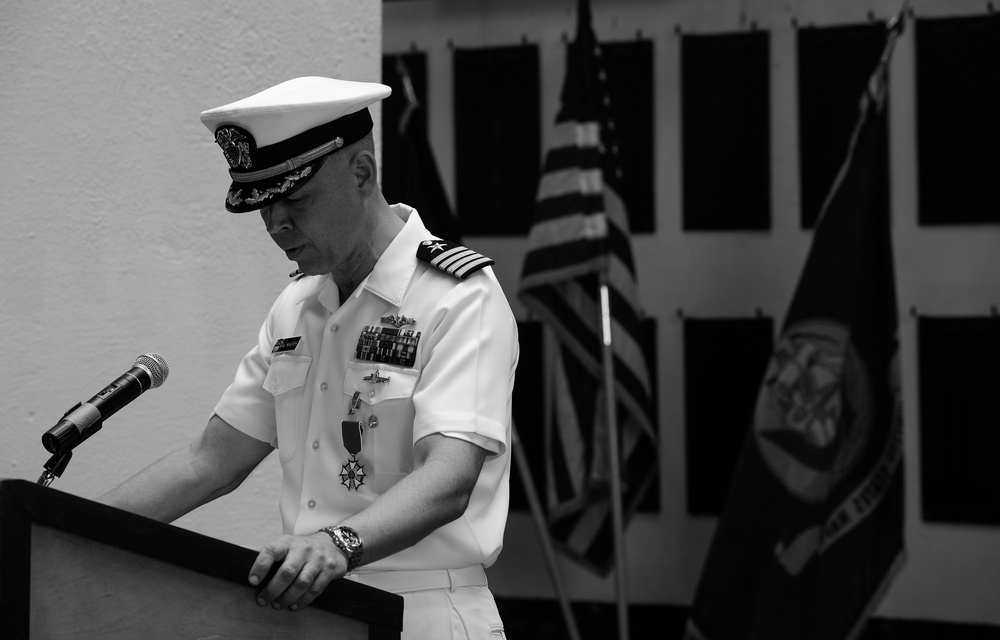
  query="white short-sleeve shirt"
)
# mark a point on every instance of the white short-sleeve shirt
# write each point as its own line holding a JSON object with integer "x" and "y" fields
{"x": 294, "y": 388}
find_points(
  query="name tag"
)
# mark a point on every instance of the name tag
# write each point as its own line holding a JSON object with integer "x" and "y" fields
{"x": 286, "y": 344}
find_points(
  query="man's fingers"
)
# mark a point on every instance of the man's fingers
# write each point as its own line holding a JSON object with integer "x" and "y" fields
{"x": 283, "y": 580}
{"x": 317, "y": 571}
{"x": 294, "y": 570}
{"x": 318, "y": 585}
{"x": 301, "y": 585}
{"x": 267, "y": 562}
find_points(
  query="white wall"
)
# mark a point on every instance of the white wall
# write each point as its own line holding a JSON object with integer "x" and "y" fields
{"x": 951, "y": 571}
{"x": 115, "y": 241}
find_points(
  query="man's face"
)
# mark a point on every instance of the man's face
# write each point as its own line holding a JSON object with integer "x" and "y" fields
{"x": 320, "y": 226}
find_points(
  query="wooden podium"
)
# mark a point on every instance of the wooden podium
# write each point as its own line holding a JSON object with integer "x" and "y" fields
{"x": 73, "y": 568}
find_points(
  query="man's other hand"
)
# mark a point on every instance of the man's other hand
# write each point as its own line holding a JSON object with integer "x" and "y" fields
{"x": 307, "y": 565}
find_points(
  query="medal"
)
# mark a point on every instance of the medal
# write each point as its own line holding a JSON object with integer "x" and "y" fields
{"x": 352, "y": 474}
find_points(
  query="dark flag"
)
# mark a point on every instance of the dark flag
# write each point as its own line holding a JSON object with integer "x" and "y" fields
{"x": 812, "y": 530}
{"x": 580, "y": 229}
{"x": 411, "y": 174}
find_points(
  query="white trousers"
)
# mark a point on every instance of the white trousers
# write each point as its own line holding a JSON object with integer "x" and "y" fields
{"x": 466, "y": 613}
{"x": 442, "y": 605}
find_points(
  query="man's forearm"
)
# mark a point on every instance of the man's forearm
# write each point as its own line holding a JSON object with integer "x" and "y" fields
{"x": 165, "y": 490}
{"x": 435, "y": 493}
{"x": 214, "y": 464}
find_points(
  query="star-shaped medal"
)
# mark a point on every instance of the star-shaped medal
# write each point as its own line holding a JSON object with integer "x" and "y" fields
{"x": 352, "y": 475}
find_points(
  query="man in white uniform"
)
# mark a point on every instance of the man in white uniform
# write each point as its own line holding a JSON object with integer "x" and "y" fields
{"x": 382, "y": 375}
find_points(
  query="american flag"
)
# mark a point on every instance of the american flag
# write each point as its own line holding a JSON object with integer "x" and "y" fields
{"x": 580, "y": 229}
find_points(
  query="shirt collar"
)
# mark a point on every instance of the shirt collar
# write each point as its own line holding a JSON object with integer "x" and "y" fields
{"x": 394, "y": 269}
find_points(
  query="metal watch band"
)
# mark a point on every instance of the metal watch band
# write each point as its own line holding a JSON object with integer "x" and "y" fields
{"x": 353, "y": 553}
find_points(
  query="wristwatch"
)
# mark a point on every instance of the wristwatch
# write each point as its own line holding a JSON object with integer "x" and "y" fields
{"x": 349, "y": 542}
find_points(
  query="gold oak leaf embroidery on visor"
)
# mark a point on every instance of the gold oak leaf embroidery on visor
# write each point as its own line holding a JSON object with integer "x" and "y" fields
{"x": 259, "y": 196}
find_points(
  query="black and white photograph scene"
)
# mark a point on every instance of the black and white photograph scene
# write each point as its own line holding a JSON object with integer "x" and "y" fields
{"x": 500, "y": 320}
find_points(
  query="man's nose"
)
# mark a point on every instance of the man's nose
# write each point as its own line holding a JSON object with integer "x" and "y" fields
{"x": 275, "y": 218}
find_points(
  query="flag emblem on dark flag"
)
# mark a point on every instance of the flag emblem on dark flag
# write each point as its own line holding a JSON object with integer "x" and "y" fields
{"x": 812, "y": 529}
{"x": 580, "y": 229}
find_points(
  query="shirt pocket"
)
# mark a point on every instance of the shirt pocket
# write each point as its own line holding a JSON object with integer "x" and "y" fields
{"x": 391, "y": 402}
{"x": 285, "y": 380}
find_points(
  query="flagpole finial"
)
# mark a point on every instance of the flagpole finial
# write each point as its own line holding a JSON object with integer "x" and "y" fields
{"x": 411, "y": 96}
{"x": 897, "y": 21}
{"x": 894, "y": 29}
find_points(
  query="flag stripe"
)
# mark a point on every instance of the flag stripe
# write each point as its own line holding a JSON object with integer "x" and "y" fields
{"x": 575, "y": 134}
{"x": 551, "y": 233}
{"x": 573, "y": 180}
{"x": 572, "y": 158}
{"x": 565, "y": 204}
{"x": 542, "y": 267}
{"x": 567, "y": 474}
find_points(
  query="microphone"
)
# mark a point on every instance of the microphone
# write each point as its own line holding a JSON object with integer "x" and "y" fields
{"x": 86, "y": 419}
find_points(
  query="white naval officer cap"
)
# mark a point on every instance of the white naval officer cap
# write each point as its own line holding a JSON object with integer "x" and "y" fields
{"x": 275, "y": 140}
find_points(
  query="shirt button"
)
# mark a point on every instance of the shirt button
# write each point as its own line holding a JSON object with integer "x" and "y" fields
{"x": 334, "y": 327}
{"x": 315, "y": 444}
{"x": 312, "y": 504}
{"x": 323, "y": 386}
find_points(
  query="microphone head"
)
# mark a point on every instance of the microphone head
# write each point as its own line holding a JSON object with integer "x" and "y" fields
{"x": 155, "y": 366}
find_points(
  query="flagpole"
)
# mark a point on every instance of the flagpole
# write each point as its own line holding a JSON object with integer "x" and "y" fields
{"x": 543, "y": 533}
{"x": 617, "y": 518}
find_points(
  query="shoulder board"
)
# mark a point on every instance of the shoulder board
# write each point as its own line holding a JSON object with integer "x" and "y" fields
{"x": 452, "y": 258}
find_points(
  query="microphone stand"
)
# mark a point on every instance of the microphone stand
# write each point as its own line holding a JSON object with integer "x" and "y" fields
{"x": 54, "y": 467}
{"x": 57, "y": 463}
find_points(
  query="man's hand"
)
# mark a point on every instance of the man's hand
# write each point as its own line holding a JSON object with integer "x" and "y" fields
{"x": 307, "y": 565}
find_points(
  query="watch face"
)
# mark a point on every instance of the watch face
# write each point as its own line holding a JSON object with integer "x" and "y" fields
{"x": 350, "y": 536}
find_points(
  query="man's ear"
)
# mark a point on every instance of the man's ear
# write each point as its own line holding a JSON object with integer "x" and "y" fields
{"x": 365, "y": 172}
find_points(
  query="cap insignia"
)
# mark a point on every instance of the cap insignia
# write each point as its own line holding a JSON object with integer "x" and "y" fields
{"x": 237, "y": 145}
